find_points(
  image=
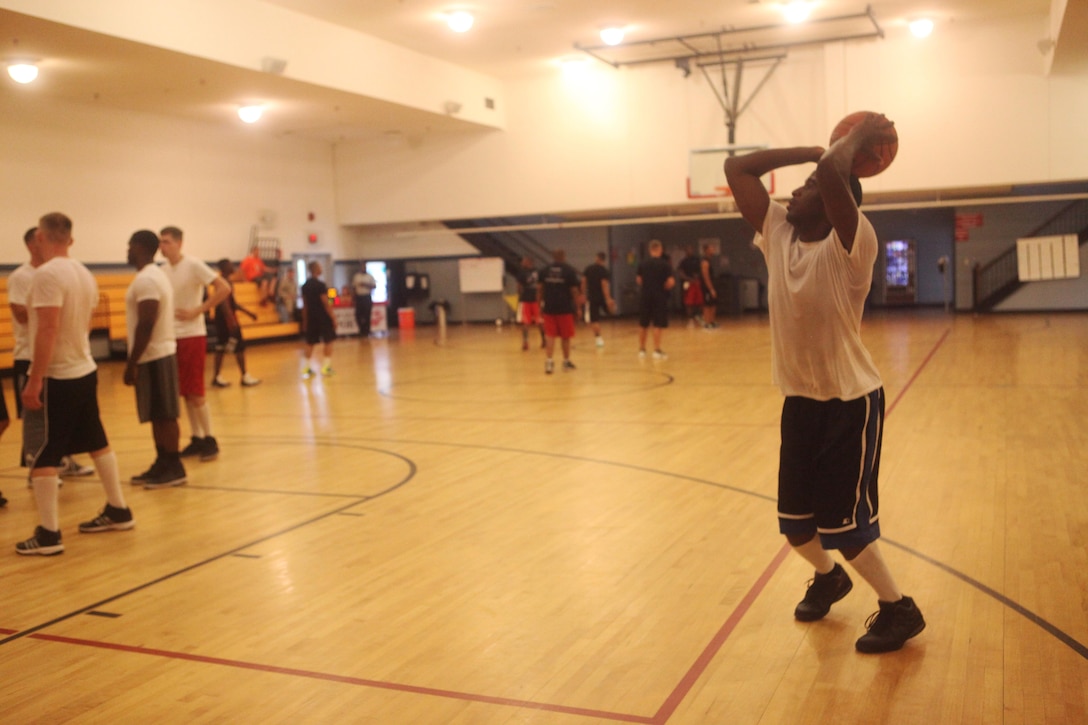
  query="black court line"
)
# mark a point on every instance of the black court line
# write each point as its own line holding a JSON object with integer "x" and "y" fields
{"x": 232, "y": 552}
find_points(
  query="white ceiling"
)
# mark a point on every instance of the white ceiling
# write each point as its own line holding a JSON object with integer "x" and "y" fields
{"x": 511, "y": 38}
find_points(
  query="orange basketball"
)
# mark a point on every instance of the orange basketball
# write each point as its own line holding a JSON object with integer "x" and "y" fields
{"x": 871, "y": 161}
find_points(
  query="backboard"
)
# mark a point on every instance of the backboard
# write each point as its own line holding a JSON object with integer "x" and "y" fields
{"x": 706, "y": 174}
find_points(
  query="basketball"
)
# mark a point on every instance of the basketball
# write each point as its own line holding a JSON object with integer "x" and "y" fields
{"x": 874, "y": 159}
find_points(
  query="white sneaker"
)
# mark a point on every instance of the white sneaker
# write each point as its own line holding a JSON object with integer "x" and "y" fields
{"x": 549, "y": 366}
{"x": 659, "y": 355}
{"x": 71, "y": 467}
{"x": 249, "y": 381}
{"x": 641, "y": 354}
{"x": 600, "y": 342}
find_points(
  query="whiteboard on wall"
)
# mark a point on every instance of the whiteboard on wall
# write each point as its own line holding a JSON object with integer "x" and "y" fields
{"x": 480, "y": 274}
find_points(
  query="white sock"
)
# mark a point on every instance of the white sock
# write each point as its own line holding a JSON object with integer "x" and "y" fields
{"x": 45, "y": 495}
{"x": 106, "y": 465}
{"x": 194, "y": 419}
{"x": 870, "y": 564}
{"x": 205, "y": 416}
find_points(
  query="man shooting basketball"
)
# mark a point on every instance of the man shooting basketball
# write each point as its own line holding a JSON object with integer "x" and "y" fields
{"x": 820, "y": 251}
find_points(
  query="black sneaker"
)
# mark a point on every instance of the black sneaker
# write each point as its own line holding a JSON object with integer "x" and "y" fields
{"x": 568, "y": 365}
{"x": 141, "y": 479}
{"x": 3, "y": 501}
{"x": 111, "y": 519}
{"x": 891, "y": 626}
{"x": 196, "y": 445}
{"x": 43, "y": 543}
{"x": 823, "y": 591}
{"x": 209, "y": 450}
{"x": 167, "y": 476}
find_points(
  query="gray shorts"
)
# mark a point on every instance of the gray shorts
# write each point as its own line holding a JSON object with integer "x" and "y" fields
{"x": 157, "y": 389}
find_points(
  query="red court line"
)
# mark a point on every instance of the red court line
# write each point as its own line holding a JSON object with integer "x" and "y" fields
{"x": 667, "y": 709}
{"x": 711, "y": 650}
{"x": 696, "y": 670}
{"x": 917, "y": 372}
{"x": 343, "y": 679}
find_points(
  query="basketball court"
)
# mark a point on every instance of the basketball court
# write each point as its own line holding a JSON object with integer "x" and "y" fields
{"x": 445, "y": 534}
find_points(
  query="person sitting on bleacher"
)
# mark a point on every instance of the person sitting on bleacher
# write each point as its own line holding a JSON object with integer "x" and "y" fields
{"x": 255, "y": 270}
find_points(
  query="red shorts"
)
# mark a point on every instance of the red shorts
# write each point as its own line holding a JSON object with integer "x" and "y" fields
{"x": 191, "y": 354}
{"x": 693, "y": 295}
{"x": 529, "y": 313}
{"x": 561, "y": 326}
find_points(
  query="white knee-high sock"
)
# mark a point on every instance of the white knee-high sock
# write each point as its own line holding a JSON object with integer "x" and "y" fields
{"x": 870, "y": 564}
{"x": 205, "y": 419}
{"x": 195, "y": 423}
{"x": 108, "y": 473}
{"x": 45, "y": 496}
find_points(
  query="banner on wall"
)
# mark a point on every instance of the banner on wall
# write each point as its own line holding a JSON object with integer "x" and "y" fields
{"x": 965, "y": 223}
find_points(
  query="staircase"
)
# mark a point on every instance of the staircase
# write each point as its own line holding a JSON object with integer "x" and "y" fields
{"x": 512, "y": 247}
{"x": 999, "y": 278}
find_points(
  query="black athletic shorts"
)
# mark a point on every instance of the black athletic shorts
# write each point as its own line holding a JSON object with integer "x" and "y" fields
{"x": 828, "y": 469}
{"x": 68, "y": 423}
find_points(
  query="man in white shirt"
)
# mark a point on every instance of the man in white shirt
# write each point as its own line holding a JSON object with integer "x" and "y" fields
{"x": 820, "y": 251}
{"x": 362, "y": 285}
{"x": 18, "y": 287}
{"x": 61, "y": 393}
{"x": 188, "y": 278}
{"x": 152, "y": 363}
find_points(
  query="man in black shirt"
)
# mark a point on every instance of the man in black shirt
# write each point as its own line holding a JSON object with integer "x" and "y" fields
{"x": 655, "y": 281}
{"x": 559, "y": 291}
{"x": 598, "y": 293}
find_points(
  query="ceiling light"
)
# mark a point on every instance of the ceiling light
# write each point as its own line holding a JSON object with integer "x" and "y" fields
{"x": 612, "y": 36}
{"x": 250, "y": 114}
{"x": 22, "y": 71}
{"x": 921, "y": 27}
{"x": 460, "y": 21}
{"x": 797, "y": 11}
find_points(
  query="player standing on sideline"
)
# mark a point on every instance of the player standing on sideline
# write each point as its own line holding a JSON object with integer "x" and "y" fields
{"x": 529, "y": 302}
{"x": 18, "y": 287}
{"x": 152, "y": 365}
{"x": 820, "y": 251}
{"x": 559, "y": 291}
{"x": 655, "y": 280}
{"x": 362, "y": 286}
{"x": 597, "y": 291}
{"x": 691, "y": 290}
{"x": 61, "y": 393}
{"x": 228, "y": 332}
{"x": 189, "y": 277}
{"x": 710, "y": 294}
{"x": 318, "y": 322}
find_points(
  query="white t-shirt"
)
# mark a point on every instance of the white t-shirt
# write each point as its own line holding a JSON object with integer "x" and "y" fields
{"x": 816, "y": 293}
{"x": 65, "y": 283}
{"x": 18, "y": 289}
{"x": 363, "y": 283}
{"x": 188, "y": 278}
{"x": 150, "y": 283}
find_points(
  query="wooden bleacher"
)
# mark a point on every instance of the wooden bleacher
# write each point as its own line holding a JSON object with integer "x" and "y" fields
{"x": 109, "y": 316}
{"x": 7, "y": 335}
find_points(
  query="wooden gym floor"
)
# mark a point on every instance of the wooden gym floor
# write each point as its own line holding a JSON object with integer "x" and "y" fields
{"x": 443, "y": 534}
